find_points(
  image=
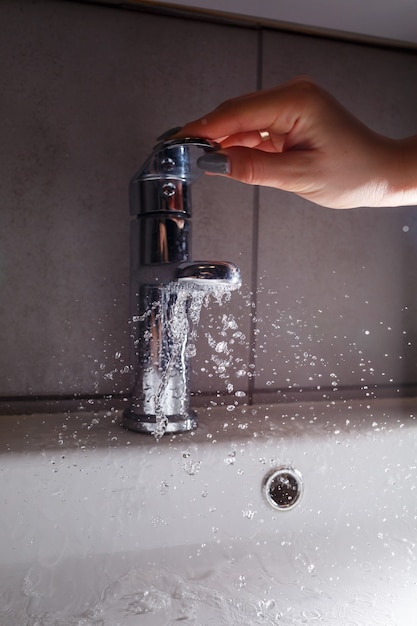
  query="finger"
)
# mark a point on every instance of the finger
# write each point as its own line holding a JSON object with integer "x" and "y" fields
{"x": 233, "y": 118}
{"x": 290, "y": 171}
{"x": 276, "y": 110}
{"x": 250, "y": 139}
{"x": 254, "y": 139}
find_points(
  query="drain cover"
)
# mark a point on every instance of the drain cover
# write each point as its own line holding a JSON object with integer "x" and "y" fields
{"x": 283, "y": 488}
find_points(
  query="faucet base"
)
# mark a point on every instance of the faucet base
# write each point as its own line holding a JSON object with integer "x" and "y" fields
{"x": 147, "y": 423}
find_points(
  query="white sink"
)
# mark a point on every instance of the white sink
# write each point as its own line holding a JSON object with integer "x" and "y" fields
{"x": 104, "y": 526}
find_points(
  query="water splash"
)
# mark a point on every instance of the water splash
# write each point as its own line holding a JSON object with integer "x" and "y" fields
{"x": 181, "y": 329}
{"x": 207, "y": 584}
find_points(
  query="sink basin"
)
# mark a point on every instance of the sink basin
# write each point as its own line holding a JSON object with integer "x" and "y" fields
{"x": 101, "y": 526}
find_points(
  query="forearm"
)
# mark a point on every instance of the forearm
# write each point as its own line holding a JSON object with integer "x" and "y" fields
{"x": 402, "y": 175}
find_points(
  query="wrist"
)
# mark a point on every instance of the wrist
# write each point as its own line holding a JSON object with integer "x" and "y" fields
{"x": 401, "y": 173}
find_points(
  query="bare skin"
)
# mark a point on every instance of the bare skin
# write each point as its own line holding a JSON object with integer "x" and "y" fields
{"x": 311, "y": 146}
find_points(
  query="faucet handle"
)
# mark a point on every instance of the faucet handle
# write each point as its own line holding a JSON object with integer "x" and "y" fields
{"x": 199, "y": 142}
{"x": 163, "y": 183}
{"x": 176, "y": 159}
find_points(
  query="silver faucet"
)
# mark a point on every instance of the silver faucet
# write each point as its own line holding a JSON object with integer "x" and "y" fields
{"x": 164, "y": 282}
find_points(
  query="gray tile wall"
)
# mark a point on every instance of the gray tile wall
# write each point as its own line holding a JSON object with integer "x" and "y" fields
{"x": 86, "y": 89}
{"x": 339, "y": 307}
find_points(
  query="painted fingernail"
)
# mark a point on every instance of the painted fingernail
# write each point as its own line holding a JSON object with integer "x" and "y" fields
{"x": 168, "y": 133}
{"x": 214, "y": 162}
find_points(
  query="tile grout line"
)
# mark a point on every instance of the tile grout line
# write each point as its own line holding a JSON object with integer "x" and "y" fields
{"x": 255, "y": 248}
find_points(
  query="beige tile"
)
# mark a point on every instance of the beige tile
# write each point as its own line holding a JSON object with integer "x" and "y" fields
{"x": 88, "y": 91}
{"x": 80, "y": 114}
{"x": 336, "y": 298}
{"x": 376, "y": 84}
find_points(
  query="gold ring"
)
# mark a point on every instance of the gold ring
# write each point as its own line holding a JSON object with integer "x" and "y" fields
{"x": 264, "y": 135}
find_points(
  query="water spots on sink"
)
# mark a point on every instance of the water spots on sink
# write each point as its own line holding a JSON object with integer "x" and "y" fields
{"x": 312, "y": 615}
{"x": 209, "y": 583}
{"x": 190, "y": 466}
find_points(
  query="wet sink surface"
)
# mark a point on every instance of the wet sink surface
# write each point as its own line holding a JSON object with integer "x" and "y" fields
{"x": 103, "y": 526}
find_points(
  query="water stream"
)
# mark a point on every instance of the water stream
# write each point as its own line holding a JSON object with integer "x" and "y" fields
{"x": 181, "y": 330}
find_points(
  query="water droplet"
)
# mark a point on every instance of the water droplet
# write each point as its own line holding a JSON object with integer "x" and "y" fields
{"x": 163, "y": 488}
{"x": 312, "y": 615}
{"x": 231, "y": 458}
{"x": 242, "y": 580}
{"x": 221, "y": 346}
{"x": 191, "y": 467}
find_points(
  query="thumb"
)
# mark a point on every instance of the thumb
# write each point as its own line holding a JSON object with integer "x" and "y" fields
{"x": 283, "y": 170}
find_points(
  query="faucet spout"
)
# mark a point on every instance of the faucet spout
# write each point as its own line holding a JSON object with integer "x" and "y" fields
{"x": 209, "y": 275}
{"x": 164, "y": 283}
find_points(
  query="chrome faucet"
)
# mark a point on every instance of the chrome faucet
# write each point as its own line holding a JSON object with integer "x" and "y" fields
{"x": 164, "y": 281}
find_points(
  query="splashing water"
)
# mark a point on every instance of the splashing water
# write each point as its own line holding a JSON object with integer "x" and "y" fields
{"x": 230, "y": 586}
{"x": 181, "y": 331}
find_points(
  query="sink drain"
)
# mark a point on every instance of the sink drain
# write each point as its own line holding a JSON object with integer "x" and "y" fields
{"x": 283, "y": 488}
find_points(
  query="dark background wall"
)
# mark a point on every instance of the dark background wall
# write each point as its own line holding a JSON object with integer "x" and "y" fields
{"x": 328, "y": 301}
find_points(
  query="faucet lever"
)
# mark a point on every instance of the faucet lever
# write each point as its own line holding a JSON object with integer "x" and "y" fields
{"x": 176, "y": 159}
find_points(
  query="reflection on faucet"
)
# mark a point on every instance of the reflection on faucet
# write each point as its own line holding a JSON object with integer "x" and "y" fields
{"x": 164, "y": 284}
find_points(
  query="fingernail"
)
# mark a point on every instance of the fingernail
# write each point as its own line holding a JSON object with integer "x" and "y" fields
{"x": 168, "y": 133}
{"x": 214, "y": 162}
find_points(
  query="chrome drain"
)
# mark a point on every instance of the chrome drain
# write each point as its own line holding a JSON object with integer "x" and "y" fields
{"x": 283, "y": 488}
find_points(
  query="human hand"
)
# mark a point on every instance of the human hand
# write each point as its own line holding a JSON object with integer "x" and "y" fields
{"x": 298, "y": 138}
